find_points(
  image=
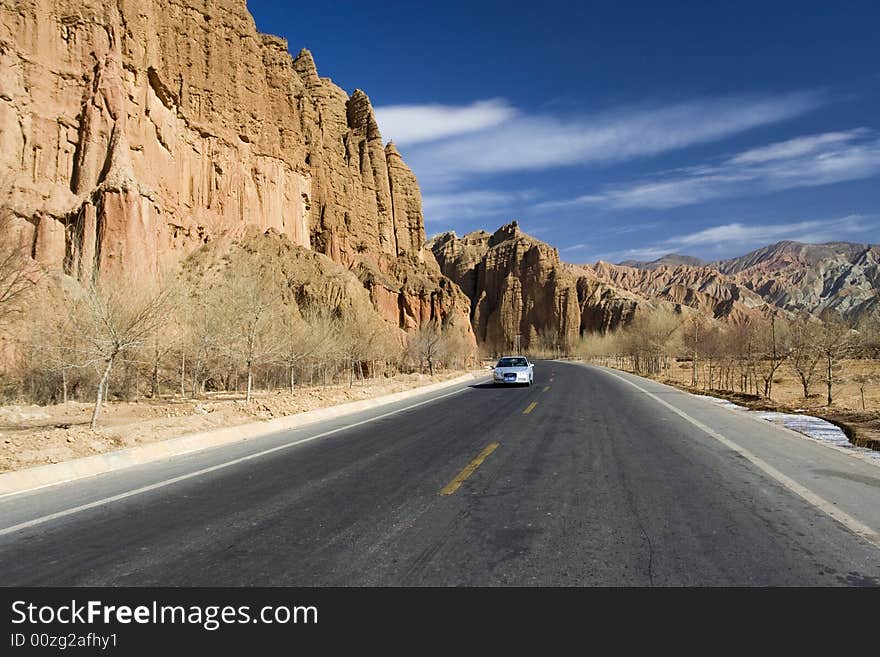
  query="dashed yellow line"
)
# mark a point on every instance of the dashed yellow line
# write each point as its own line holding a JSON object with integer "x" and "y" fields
{"x": 546, "y": 388}
{"x": 471, "y": 467}
{"x": 530, "y": 408}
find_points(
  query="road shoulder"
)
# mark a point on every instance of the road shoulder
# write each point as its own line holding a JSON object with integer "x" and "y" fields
{"x": 834, "y": 480}
{"x": 29, "y": 479}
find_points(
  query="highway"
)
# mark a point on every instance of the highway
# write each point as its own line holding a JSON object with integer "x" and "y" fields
{"x": 587, "y": 478}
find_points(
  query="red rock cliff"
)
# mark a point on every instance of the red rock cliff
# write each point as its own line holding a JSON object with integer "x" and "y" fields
{"x": 522, "y": 296}
{"x": 133, "y": 132}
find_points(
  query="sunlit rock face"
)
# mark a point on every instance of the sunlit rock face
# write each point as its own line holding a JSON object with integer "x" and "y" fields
{"x": 522, "y": 296}
{"x": 134, "y": 132}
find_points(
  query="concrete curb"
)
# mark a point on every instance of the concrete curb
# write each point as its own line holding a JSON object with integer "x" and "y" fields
{"x": 41, "y": 476}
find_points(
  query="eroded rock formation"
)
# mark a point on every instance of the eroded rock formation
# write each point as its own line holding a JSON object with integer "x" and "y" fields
{"x": 839, "y": 276}
{"x": 792, "y": 276}
{"x": 703, "y": 288}
{"x": 133, "y": 132}
{"x": 522, "y": 296}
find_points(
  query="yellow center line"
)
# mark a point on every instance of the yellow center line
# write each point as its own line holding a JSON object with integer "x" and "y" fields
{"x": 530, "y": 408}
{"x": 453, "y": 485}
{"x": 546, "y": 388}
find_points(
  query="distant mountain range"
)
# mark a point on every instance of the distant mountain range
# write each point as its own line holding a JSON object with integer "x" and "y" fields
{"x": 842, "y": 276}
{"x": 523, "y": 295}
{"x": 669, "y": 260}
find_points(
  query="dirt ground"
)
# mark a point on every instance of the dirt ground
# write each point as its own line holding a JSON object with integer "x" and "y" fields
{"x": 36, "y": 435}
{"x": 862, "y": 426}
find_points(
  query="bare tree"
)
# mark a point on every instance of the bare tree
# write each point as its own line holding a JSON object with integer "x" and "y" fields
{"x": 835, "y": 343}
{"x": 863, "y": 381}
{"x": 427, "y": 345}
{"x": 806, "y": 335}
{"x": 292, "y": 340}
{"x": 325, "y": 329}
{"x": 305, "y": 332}
{"x": 361, "y": 341}
{"x": 54, "y": 337}
{"x": 692, "y": 338}
{"x": 650, "y": 340}
{"x": 168, "y": 337}
{"x": 199, "y": 350}
{"x": 248, "y": 306}
{"x": 116, "y": 317}
{"x": 773, "y": 344}
{"x": 713, "y": 347}
{"x": 458, "y": 350}
{"x": 869, "y": 335}
{"x": 741, "y": 346}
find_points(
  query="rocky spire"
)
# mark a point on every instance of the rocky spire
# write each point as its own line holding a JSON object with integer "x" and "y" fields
{"x": 304, "y": 65}
{"x": 506, "y": 232}
{"x": 361, "y": 118}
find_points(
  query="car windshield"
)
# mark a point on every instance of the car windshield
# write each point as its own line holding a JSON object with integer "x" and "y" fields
{"x": 512, "y": 362}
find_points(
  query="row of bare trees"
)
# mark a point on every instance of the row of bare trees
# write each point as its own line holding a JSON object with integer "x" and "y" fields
{"x": 218, "y": 330}
{"x": 744, "y": 357}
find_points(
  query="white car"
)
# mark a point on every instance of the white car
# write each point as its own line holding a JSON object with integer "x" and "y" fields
{"x": 513, "y": 370}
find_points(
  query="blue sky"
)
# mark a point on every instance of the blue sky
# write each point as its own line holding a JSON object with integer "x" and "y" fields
{"x": 620, "y": 130}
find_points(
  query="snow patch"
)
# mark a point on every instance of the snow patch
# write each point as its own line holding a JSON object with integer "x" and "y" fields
{"x": 814, "y": 427}
{"x": 723, "y": 402}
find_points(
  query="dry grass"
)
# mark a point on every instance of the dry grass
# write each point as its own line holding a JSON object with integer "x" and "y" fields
{"x": 788, "y": 392}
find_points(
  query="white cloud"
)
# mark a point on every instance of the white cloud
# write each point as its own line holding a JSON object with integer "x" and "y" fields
{"x": 413, "y": 124}
{"x": 739, "y": 233}
{"x": 743, "y": 237}
{"x": 807, "y": 161}
{"x": 513, "y": 141}
{"x": 796, "y": 147}
{"x": 449, "y": 207}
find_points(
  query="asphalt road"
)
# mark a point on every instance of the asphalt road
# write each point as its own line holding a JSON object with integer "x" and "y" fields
{"x": 582, "y": 479}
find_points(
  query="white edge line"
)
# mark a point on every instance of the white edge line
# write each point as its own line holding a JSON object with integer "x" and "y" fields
{"x": 220, "y": 466}
{"x": 852, "y": 452}
{"x": 855, "y": 526}
{"x": 204, "y": 448}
